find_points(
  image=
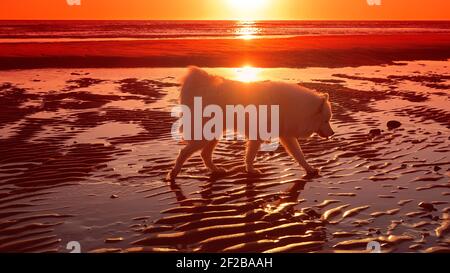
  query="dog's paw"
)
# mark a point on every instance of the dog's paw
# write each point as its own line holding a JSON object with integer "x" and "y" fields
{"x": 170, "y": 177}
{"x": 312, "y": 172}
{"x": 253, "y": 172}
{"x": 219, "y": 171}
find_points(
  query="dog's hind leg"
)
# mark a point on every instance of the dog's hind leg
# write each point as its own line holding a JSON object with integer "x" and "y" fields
{"x": 293, "y": 148}
{"x": 207, "y": 153}
{"x": 185, "y": 154}
{"x": 252, "y": 149}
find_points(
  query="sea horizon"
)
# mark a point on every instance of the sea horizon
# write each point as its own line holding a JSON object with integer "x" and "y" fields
{"x": 93, "y": 30}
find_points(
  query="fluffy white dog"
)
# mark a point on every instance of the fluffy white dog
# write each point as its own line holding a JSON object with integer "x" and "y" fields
{"x": 302, "y": 112}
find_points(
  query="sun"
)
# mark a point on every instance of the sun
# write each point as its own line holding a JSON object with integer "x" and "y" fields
{"x": 245, "y": 5}
{"x": 248, "y": 9}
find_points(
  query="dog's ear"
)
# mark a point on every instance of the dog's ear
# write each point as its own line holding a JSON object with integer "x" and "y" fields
{"x": 325, "y": 98}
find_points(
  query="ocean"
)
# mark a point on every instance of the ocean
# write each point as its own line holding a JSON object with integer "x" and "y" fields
{"x": 14, "y": 31}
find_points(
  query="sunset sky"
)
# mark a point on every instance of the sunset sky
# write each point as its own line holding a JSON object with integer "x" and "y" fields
{"x": 227, "y": 9}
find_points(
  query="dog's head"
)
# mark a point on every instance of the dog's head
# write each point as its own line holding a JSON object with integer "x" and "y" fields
{"x": 324, "y": 129}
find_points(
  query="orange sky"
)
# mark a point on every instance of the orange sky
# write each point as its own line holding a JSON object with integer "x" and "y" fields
{"x": 227, "y": 9}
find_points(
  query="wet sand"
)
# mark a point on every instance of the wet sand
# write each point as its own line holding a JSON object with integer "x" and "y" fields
{"x": 85, "y": 153}
{"x": 295, "y": 52}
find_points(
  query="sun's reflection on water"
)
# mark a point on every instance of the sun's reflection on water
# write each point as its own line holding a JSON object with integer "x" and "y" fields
{"x": 247, "y": 74}
{"x": 247, "y": 30}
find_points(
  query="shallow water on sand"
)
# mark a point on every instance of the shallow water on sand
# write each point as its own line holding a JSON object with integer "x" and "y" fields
{"x": 84, "y": 154}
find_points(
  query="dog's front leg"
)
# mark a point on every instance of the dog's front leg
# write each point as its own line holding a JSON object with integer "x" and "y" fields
{"x": 252, "y": 149}
{"x": 293, "y": 148}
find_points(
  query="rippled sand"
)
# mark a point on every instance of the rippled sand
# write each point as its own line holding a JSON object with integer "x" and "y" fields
{"x": 84, "y": 154}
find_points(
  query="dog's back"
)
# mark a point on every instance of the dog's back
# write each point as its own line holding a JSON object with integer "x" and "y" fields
{"x": 296, "y": 102}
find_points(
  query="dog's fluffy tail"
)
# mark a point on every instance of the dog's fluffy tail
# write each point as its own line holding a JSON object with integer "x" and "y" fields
{"x": 195, "y": 75}
{"x": 195, "y": 83}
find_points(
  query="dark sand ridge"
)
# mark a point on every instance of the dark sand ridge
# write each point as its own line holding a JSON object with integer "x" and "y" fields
{"x": 48, "y": 164}
{"x": 235, "y": 212}
{"x": 308, "y": 51}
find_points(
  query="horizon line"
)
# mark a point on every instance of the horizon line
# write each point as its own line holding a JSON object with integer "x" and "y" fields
{"x": 239, "y": 20}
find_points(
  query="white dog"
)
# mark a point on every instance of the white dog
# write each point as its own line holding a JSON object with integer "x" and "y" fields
{"x": 302, "y": 112}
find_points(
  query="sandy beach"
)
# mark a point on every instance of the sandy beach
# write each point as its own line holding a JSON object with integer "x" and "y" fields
{"x": 85, "y": 149}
